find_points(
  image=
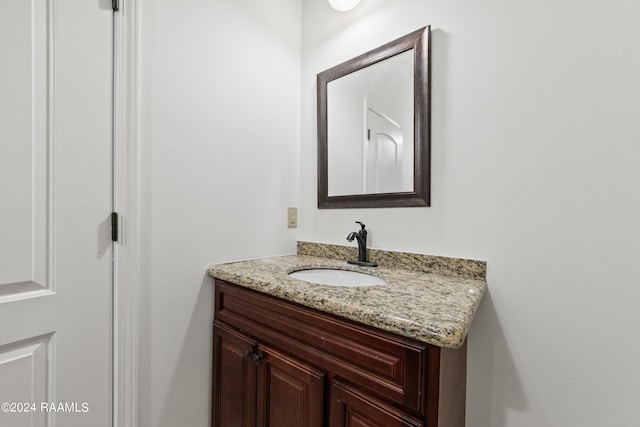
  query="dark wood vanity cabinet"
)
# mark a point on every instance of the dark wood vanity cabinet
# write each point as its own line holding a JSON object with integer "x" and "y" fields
{"x": 279, "y": 364}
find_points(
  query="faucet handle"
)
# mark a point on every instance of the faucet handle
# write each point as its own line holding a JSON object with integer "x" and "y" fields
{"x": 361, "y": 225}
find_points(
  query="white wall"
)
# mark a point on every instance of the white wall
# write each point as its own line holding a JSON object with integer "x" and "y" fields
{"x": 536, "y": 144}
{"x": 220, "y": 92}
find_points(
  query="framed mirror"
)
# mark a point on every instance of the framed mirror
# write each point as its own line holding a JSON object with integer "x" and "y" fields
{"x": 374, "y": 127}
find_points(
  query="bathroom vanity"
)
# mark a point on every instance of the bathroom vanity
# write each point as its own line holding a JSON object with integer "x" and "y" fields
{"x": 292, "y": 353}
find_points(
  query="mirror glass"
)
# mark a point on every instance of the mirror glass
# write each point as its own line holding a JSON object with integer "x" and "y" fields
{"x": 373, "y": 127}
{"x": 369, "y": 117}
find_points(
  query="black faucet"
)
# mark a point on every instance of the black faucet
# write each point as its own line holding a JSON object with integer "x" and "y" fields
{"x": 361, "y": 237}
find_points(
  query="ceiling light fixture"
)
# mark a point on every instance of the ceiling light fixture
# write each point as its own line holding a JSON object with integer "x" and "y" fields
{"x": 343, "y": 5}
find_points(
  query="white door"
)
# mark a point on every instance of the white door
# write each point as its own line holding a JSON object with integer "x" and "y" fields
{"x": 55, "y": 203}
{"x": 383, "y": 153}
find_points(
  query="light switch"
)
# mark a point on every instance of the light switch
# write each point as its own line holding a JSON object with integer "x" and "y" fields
{"x": 292, "y": 217}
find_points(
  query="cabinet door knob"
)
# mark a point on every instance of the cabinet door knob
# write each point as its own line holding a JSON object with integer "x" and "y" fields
{"x": 254, "y": 355}
{"x": 257, "y": 358}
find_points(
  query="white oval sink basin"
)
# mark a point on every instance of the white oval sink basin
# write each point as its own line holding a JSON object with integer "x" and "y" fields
{"x": 332, "y": 277}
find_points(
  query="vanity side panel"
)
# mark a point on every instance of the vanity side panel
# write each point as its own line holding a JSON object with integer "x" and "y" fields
{"x": 453, "y": 387}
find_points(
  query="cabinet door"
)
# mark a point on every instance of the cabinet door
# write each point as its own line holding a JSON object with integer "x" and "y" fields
{"x": 350, "y": 408}
{"x": 234, "y": 379}
{"x": 290, "y": 393}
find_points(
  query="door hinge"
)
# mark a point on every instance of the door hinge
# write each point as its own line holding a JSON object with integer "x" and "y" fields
{"x": 115, "y": 5}
{"x": 114, "y": 226}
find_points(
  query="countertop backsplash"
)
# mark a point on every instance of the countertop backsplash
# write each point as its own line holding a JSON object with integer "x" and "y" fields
{"x": 445, "y": 266}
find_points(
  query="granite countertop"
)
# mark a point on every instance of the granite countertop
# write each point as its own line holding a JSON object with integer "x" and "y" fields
{"x": 433, "y": 308}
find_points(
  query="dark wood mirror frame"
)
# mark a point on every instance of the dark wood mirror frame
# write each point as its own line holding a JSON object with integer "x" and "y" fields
{"x": 420, "y": 196}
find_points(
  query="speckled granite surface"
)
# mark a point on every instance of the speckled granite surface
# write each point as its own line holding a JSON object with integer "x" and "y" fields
{"x": 433, "y": 308}
{"x": 455, "y": 267}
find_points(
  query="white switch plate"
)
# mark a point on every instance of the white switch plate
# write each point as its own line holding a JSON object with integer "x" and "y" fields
{"x": 292, "y": 217}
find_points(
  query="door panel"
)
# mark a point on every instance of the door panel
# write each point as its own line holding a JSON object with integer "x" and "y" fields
{"x": 23, "y": 148}
{"x": 55, "y": 187}
{"x": 290, "y": 393}
{"x": 235, "y": 373}
{"x": 350, "y": 408}
{"x": 27, "y": 359}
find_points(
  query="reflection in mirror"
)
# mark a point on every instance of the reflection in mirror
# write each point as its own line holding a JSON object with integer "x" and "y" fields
{"x": 369, "y": 116}
{"x": 373, "y": 127}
